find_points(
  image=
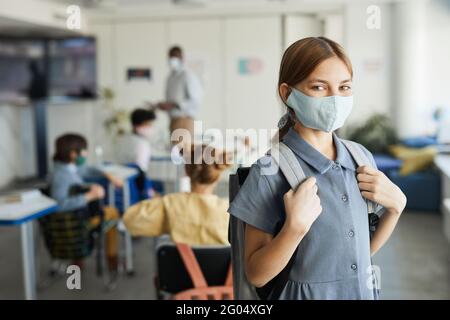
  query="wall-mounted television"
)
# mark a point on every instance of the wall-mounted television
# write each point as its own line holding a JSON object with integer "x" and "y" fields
{"x": 48, "y": 68}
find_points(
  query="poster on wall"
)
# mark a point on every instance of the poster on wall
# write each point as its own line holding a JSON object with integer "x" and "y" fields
{"x": 249, "y": 66}
{"x": 139, "y": 74}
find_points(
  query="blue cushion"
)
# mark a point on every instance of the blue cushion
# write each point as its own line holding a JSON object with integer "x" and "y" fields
{"x": 422, "y": 189}
{"x": 385, "y": 163}
{"x": 419, "y": 142}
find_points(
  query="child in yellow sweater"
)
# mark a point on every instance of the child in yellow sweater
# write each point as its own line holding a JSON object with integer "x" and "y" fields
{"x": 197, "y": 217}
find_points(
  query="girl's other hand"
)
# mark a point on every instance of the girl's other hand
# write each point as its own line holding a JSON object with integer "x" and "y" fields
{"x": 96, "y": 192}
{"x": 118, "y": 183}
{"x": 375, "y": 186}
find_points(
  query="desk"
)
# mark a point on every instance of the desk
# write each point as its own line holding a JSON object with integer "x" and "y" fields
{"x": 126, "y": 174}
{"x": 23, "y": 214}
{"x": 443, "y": 163}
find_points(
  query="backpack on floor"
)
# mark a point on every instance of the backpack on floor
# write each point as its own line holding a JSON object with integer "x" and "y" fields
{"x": 294, "y": 174}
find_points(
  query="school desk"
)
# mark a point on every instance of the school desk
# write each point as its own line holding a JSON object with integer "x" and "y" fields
{"x": 23, "y": 214}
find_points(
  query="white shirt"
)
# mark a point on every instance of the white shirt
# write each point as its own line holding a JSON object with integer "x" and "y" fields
{"x": 184, "y": 88}
{"x": 133, "y": 148}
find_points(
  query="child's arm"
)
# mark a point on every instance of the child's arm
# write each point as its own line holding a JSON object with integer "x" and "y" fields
{"x": 147, "y": 218}
{"x": 385, "y": 227}
{"x": 87, "y": 172}
{"x": 375, "y": 186}
{"x": 118, "y": 183}
{"x": 265, "y": 255}
{"x": 66, "y": 202}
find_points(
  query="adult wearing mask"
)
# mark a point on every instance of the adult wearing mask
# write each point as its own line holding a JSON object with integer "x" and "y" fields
{"x": 183, "y": 95}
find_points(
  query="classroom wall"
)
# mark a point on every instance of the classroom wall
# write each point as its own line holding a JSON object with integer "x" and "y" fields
{"x": 214, "y": 48}
{"x": 371, "y": 56}
{"x": 437, "y": 45}
{"x": 17, "y": 148}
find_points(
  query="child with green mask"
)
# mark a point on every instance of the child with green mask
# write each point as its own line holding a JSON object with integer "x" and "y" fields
{"x": 70, "y": 171}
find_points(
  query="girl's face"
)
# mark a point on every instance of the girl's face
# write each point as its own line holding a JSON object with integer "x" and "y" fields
{"x": 330, "y": 78}
{"x": 74, "y": 155}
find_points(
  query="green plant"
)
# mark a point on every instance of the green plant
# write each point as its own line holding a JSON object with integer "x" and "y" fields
{"x": 118, "y": 121}
{"x": 376, "y": 134}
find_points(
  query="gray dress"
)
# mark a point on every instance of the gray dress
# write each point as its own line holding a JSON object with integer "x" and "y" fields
{"x": 333, "y": 259}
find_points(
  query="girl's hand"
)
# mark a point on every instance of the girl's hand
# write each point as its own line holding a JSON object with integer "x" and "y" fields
{"x": 118, "y": 183}
{"x": 302, "y": 206}
{"x": 96, "y": 192}
{"x": 375, "y": 186}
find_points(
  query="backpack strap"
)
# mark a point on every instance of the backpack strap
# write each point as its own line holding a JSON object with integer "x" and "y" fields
{"x": 293, "y": 172}
{"x": 289, "y": 165}
{"x": 229, "y": 279}
{"x": 361, "y": 159}
{"x": 192, "y": 266}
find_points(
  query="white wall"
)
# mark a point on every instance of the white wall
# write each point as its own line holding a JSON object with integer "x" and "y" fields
{"x": 370, "y": 53}
{"x": 438, "y": 54}
{"x": 17, "y": 151}
{"x": 301, "y": 26}
{"x": 251, "y": 99}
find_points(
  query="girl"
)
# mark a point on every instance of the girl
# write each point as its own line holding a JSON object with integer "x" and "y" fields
{"x": 326, "y": 218}
{"x": 68, "y": 174}
{"x": 195, "y": 218}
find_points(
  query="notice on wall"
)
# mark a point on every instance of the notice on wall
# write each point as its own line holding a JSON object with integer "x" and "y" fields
{"x": 249, "y": 66}
{"x": 139, "y": 74}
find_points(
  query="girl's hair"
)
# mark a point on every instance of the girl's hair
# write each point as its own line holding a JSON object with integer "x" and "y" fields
{"x": 302, "y": 57}
{"x": 200, "y": 168}
{"x": 66, "y": 144}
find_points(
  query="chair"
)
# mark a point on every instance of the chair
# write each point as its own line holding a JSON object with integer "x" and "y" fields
{"x": 68, "y": 235}
{"x": 142, "y": 184}
{"x": 198, "y": 272}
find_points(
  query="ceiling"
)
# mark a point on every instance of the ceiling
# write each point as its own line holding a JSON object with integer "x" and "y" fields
{"x": 127, "y": 3}
{"x": 13, "y": 28}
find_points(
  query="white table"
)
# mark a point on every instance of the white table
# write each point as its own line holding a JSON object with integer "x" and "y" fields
{"x": 23, "y": 214}
{"x": 126, "y": 174}
{"x": 443, "y": 163}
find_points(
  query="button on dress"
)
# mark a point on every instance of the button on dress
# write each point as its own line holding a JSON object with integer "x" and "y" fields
{"x": 333, "y": 259}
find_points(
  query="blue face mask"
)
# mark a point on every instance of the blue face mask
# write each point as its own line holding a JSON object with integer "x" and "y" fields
{"x": 324, "y": 113}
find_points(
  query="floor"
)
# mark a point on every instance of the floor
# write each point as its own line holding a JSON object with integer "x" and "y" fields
{"x": 415, "y": 264}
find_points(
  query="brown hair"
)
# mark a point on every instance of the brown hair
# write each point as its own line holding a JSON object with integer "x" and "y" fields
{"x": 201, "y": 170}
{"x": 302, "y": 57}
{"x": 66, "y": 144}
{"x": 175, "y": 51}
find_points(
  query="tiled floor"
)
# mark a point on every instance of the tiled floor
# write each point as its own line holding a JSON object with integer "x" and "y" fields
{"x": 415, "y": 264}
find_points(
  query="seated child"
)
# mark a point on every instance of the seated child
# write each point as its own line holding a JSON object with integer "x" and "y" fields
{"x": 135, "y": 146}
{"x": 195, "y": 218}
{"x": 68, "y": 173}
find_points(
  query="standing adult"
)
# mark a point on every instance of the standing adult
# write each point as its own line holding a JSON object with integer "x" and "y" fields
{"x": 183, "y": 95}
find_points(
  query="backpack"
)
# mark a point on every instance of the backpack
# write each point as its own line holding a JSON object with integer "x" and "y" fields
{"x": 201, "y": 289}
{"x": 294, "y": 174}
